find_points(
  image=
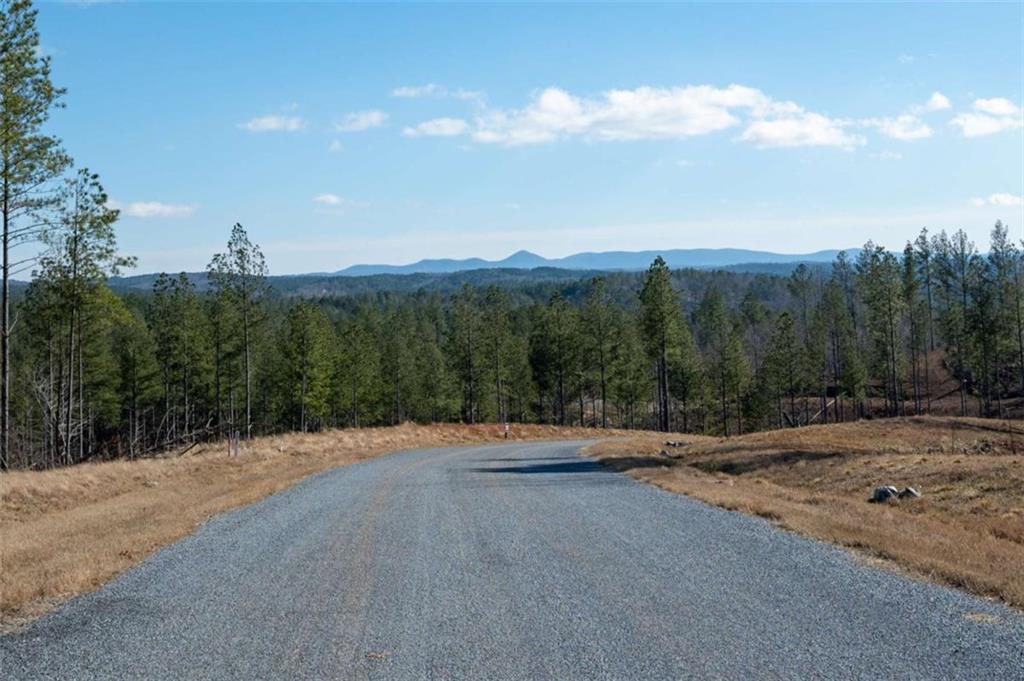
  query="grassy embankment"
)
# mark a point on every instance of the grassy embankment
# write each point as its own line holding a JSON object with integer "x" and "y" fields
{"x": 967, "y": 530}
{"x": 67, "y": 531}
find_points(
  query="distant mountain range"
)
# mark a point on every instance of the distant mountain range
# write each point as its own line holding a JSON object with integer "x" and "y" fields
{"x": 701, "y": 258}
{"x": 518, "y": 267}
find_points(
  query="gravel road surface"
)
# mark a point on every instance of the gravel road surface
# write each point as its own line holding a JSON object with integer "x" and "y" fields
{"x": 520, "y": 561}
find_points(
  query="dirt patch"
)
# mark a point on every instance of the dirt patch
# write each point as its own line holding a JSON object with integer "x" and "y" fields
{"x": 67, "y": 531}
{"x": 967, "y": 530}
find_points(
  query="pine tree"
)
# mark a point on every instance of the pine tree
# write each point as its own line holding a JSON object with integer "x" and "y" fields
{"x": 465, "y": 350}
{"x": 307, "y": 345}
{"x": 723, "y": 353}
{"x": 81, "y": 252}
{"x": 239, "y": 274}
{"x": 880, "y": 282}
{"x": 137, "y": 372}
{"x": 30, "y": 160}
{"x": 916, "y": 308}
{"x": 357, "y": 374}
{"x": 1003, "y": 265}
{"x": 182, "y": 349}
{"x": 782, "y": 368}
{"x": 495, "y": 340}
{"x": 660, "y": 310}
{"x": 630, "y": 374}
{"x": 554, "y": 355}
{"x": 601, "y": 330}
{"x": 954, "y": 261}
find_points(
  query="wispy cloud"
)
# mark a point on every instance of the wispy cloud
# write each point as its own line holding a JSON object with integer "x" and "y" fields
{"x": 905, "y": 127}
{"x": 335, "y": 146}
{"x": 989, "y": 116}
{"x": 274, "y": 123}
{"x": 417, "y": 91}
{"x": 358, "y": 121}
{"x": 153, "y": 209}
{"x": 909, "y": 126}
{"x": 999, "y": 199}
{"x": 329, "y": 199}
{"x": 438, "y": 127}
{"x": 435, "y": 91}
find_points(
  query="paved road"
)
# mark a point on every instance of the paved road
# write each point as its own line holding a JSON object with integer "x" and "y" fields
{"x": 508, "y": 562}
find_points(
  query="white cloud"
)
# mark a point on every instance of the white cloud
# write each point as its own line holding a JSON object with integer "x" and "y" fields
{"x": 909, "y": 126}
{"x": 979, "y": 125}
{"x": 997, "y": 106}
{"x": 653, "y": 113}
{"x": 438, "y": 127}
{"x": 937, "y": 102}
{"x": 330, "y": 200}
{"x": 648, "y": 113}
{"x": 361, "y": 120}
{"x": 887, "y": 155}
{"x": 804, "y": 130}
{"x": 153, "y": 209}
{"x": 335, "y": 146}
{"x": 273, "y": 123}
{"x": 645, "y": 113}
{"x": 416, "y": 91}
{"x": 906, "y": 58}
{"x": 990, "y": 116}
{"x": 999, "y": 199}
{"x": 905, "y": 127}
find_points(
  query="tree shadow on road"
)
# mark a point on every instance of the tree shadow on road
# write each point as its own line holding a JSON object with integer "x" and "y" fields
{"x": 549, "y": 459}
{"x": 571, "y": 466}
{"x": 574, "y": 466}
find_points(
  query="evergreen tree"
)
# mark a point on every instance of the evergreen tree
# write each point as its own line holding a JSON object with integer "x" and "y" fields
{"x": 631, "y": 375}
{"x": 601, "y": 330}
{"x": 239, "y": 275}
{"x": 357, "y": 375}
{"x": 307, "y": 350}
{"x": 465, "y": 350}
{"x": 496, "y": 338}
{"x": 880, "y": 282}
{"x": 659, "y": 306}
{"x": 30, "y": 160}
{"x": 782, "y": 368}
{"x": 180, "y": 330}
{"x": 137, "y": 374}
{"x": 81, "y": 252}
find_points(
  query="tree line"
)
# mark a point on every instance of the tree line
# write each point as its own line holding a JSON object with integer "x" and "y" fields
{"x": 99, "y": 375}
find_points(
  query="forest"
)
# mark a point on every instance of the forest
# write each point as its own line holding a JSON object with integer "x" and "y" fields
{"x": 92, "y": 373}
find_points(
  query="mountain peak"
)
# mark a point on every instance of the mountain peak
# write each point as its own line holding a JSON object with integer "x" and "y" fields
{"x": 523, "y": 258}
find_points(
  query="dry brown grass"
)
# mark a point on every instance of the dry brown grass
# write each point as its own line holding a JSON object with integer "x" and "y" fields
{"x": 66, "y": 531}
{"x": 967, "y": 530}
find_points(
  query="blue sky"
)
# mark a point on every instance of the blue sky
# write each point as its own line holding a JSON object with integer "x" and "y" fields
{"x": 340, "y": 134}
